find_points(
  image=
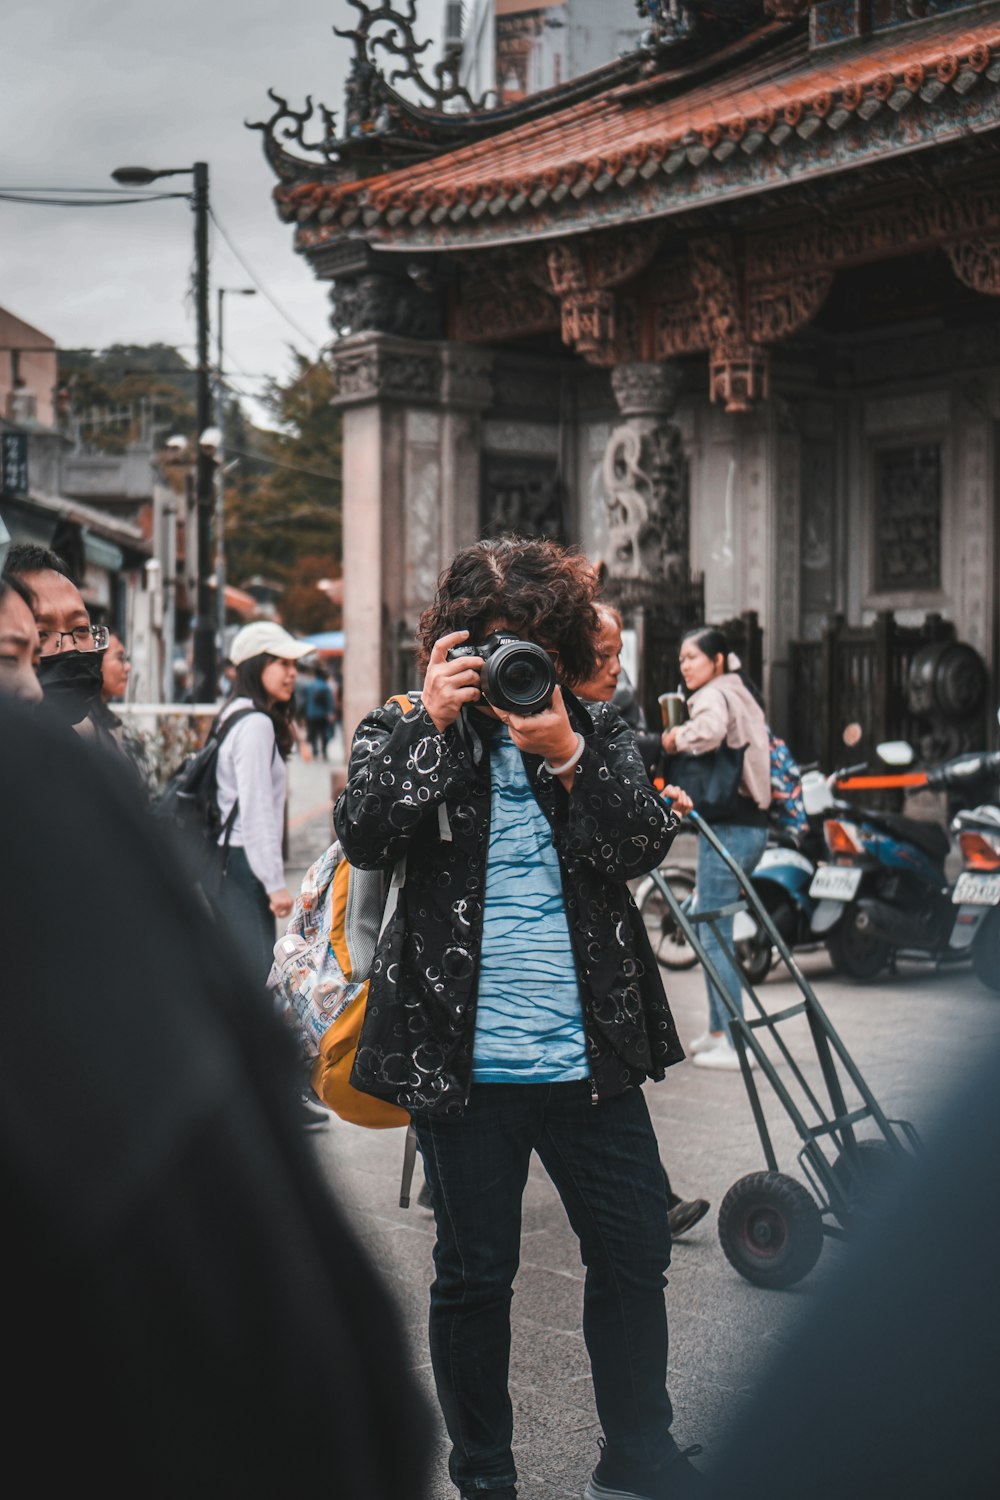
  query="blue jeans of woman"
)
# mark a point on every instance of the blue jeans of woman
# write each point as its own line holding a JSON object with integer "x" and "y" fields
{"x": 717, "y": 886}
{"x": 604, "y": 1162}
{"x": 245, "y": 906}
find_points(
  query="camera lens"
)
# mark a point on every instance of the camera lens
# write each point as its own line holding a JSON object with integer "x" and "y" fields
{"x": 520, "y": 678}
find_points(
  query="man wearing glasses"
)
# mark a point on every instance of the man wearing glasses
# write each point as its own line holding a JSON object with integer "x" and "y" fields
{"x": 70, "y": 669}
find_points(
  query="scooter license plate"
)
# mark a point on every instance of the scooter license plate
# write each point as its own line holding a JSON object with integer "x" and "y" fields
{"x": 976, "y": 890}
{"x": 835, "y": 883}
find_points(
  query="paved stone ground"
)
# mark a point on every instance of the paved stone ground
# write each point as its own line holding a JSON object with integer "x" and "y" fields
{"x": 912, "y": 1035}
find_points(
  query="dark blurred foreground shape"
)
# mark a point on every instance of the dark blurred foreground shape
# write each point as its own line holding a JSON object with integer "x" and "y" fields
{"x": 890, "y": 1385}
{"x": 186, "y": 1312}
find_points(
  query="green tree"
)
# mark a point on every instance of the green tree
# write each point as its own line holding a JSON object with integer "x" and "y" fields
{"x": 111, "y": 393}
{"x": 283, "y": 500}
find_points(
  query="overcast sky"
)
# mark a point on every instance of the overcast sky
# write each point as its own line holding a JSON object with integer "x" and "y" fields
{"x": 90, "y": 85}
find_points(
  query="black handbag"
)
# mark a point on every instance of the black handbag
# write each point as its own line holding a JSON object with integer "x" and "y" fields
{"x": 711, "y": 780}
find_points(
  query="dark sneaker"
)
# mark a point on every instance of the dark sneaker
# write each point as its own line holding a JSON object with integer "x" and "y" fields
{"x": 677, "y": 1479}
{"x": 685, "y": 1215}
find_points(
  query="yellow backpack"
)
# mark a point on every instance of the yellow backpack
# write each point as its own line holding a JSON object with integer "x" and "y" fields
{"x": 321, "y": 970}
{"x": 331, "y": 1074}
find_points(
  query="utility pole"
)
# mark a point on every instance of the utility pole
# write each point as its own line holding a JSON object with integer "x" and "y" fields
{"x": 206, "y": 676}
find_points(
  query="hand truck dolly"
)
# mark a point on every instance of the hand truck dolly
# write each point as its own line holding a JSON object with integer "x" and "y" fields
{"x": 770, "y": 1226}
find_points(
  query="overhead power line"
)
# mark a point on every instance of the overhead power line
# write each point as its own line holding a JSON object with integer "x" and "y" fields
{"x": 103, "y": 192}
{"x": 276, "y": 463}
{"x": 261, "y": 287}
{"x": 13, "y": 195}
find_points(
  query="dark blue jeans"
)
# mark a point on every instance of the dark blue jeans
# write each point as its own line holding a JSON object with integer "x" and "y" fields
{"x": 605, "y": 1164}
{"x": 247, "y": 909}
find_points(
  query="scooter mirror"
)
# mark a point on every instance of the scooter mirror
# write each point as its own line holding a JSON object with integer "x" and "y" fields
{"x": 895, "y": 753}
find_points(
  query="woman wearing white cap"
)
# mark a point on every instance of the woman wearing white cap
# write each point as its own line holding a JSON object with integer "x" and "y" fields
{"x": 251, "y": 775}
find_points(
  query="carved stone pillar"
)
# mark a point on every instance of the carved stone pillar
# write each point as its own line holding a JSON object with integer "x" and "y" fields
{"x": 645, "y": 479}
{"x": 411, "y": 412}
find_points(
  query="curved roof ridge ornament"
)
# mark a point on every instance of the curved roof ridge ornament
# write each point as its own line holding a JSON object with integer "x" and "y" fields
{"x": 384, "y": 28}
{"x": 284, "y": 164}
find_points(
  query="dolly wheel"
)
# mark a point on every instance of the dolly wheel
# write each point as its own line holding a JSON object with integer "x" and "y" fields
{"x": 770, "y": 1229}
{"x": 866, "y": 1179}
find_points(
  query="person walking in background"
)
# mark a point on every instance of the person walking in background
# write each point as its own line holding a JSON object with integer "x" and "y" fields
{"x": 250, "y": 775}
{"x": 724, "y": 708}
{"x": 602, "y": 687}
{"x": 302, "y": 682}
{"x": 320, "y": 706}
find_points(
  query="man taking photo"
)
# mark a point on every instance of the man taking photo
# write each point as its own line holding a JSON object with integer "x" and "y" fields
{"x": 514, "y": 1003}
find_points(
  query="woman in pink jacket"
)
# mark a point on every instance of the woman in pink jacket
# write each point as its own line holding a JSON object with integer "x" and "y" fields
{"x": 724, "y": 707}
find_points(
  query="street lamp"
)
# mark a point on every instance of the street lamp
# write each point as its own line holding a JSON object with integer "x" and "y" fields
{"x": 220, "y": 469}
{"x": 206, "y": 680}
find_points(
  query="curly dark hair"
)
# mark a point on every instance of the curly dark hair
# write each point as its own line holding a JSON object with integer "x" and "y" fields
{"x": 543, "y": 591}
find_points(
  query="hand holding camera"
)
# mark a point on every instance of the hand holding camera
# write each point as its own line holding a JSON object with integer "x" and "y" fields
{"x": 451, "y": 681}
{"x": 548, "y": 733}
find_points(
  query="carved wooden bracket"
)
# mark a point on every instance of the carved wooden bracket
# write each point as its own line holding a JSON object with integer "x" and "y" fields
{"x": 583, "y": 273}
{"x": 738, "y": 373}
{"x": 976, "y": 262}
{"x": 777, "y": 310}
{"x": 493, "y": 298}
{"x": 589, "y": 326}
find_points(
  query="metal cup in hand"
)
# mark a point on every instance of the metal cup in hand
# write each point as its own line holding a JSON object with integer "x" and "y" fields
{"x": 673, "y": 709}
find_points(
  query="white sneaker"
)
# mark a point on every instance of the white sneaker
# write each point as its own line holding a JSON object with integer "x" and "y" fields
{"x": 723, "y": 1056}
{"x": 703, "y": 1042}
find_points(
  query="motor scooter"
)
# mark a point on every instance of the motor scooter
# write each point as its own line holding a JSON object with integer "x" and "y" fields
{"x": 781, "y": 879}
{"x": 885, "y": 876}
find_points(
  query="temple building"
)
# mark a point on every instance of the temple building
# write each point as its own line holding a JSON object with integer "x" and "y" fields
{"x": 725, "y": 311}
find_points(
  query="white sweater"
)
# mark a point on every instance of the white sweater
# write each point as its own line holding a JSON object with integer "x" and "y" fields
{"x": 250, "y": 769}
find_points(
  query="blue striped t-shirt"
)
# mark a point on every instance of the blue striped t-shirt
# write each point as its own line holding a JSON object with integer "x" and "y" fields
{"x": 529, "y": 1026}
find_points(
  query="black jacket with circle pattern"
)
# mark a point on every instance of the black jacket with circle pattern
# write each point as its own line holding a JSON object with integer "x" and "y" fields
{"x": 412, "y": 791}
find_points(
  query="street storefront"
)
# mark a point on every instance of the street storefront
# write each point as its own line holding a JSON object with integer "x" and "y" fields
{"x": 726, "y": 312}
{"x": 106, "y": 554}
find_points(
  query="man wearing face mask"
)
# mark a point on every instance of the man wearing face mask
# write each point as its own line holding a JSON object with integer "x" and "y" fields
{"x": 70, "y": 669}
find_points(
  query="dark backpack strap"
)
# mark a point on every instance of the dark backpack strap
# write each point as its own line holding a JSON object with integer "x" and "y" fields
{"x": 221, "y": 726}
{"x": 218, "y": 732}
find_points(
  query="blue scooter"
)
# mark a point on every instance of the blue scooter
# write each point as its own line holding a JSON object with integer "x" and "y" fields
{"x": 781, "y": 880}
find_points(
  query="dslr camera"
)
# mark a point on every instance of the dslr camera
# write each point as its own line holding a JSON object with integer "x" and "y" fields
{"x": 517, "y": 675}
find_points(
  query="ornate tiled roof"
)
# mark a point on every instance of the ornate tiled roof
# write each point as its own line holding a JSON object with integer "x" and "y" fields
{"x": 765, "y": 113}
